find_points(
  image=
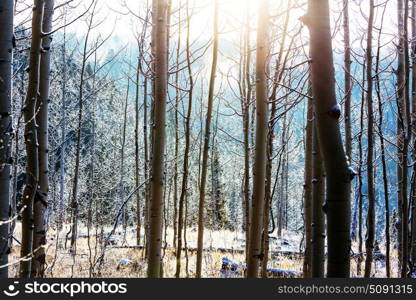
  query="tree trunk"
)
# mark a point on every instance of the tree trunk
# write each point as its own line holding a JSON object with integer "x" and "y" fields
{"x": 6, "y": 57}
{"x": 282, "y": 161}
{"x": 327, "y": 113}
{"x": 268, "y": 196}
{"x": 122, "y": 151}
{"x": 318, "y": 221}
{"x": 257, "y": 206}
{"x": 184, "y": 188}
{"x": 63, "y": 136}
{"x": 136, "y": 153}
{"x": 31, "y": 140}
{"x": 360, "y": 177}
{"x": 74, "y": 197}
{"x": 206, "y": 145}
{"x": 382, "y": 147}
{"x": 175, "y": 167}
{"x": 246, "y": 131}
{"x": 91, "y": 177}
{"x": 413, "y": 52}
{"x": 402, "y": 135}
{"x": 347, "y": 81}
{"x": 369, "y": 243}
{"x": 408, "y": 136}
{"x": 307, "y": 215}
{"x": 157, "y": 177}
{"x": 16, "y": 155}
{"x": 41, "y": 198}
{"x": 146, "y": 167}
{"x": 383, "y": 159}
{"x": 278, "y": 74}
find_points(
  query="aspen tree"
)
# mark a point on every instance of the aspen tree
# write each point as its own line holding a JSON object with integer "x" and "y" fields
{"x": 408, "y": 136}
{"x": 41, "y": 198}
{"x": 280, "y": 66}
{"x": 159, "y": 140}
{"x": 175, "y": 167}
{"x": 31, "y": 139}
{"x": 246, "y": 99}
{"x": 360, "y": 176}
{"x": 383, "y": 150}
{"x": 403, "y": 133}
{"x": 413, "y": 120}
{"x": 307, "y": 205}
{"x": 63, "y": 132}
{"x": 369, "y": 243}
{"x": 327, "y": 114}
{"x": 6, "y": 56}
{"x": 260, "y": 154}
{"x": 204, "y": 167}
{"x": 347, "y": 80}
{"x": 317, "y": 220}
{"x": 184, "y": 188}
{"x": 136, "y": 151}
{"x": 74, "y": 197}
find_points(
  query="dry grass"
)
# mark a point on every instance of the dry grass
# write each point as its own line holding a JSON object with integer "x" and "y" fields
{"x": 130, "y": 262}
{"x": 60, "y": 262}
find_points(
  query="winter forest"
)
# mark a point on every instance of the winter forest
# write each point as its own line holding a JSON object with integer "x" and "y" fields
{"x": 207, "y": 138}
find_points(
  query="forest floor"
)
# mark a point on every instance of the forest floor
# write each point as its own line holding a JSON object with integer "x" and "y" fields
{"x": 123, "y": 259}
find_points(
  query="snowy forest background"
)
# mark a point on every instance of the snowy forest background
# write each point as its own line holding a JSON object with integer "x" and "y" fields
{"x": 101, "y": 92}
